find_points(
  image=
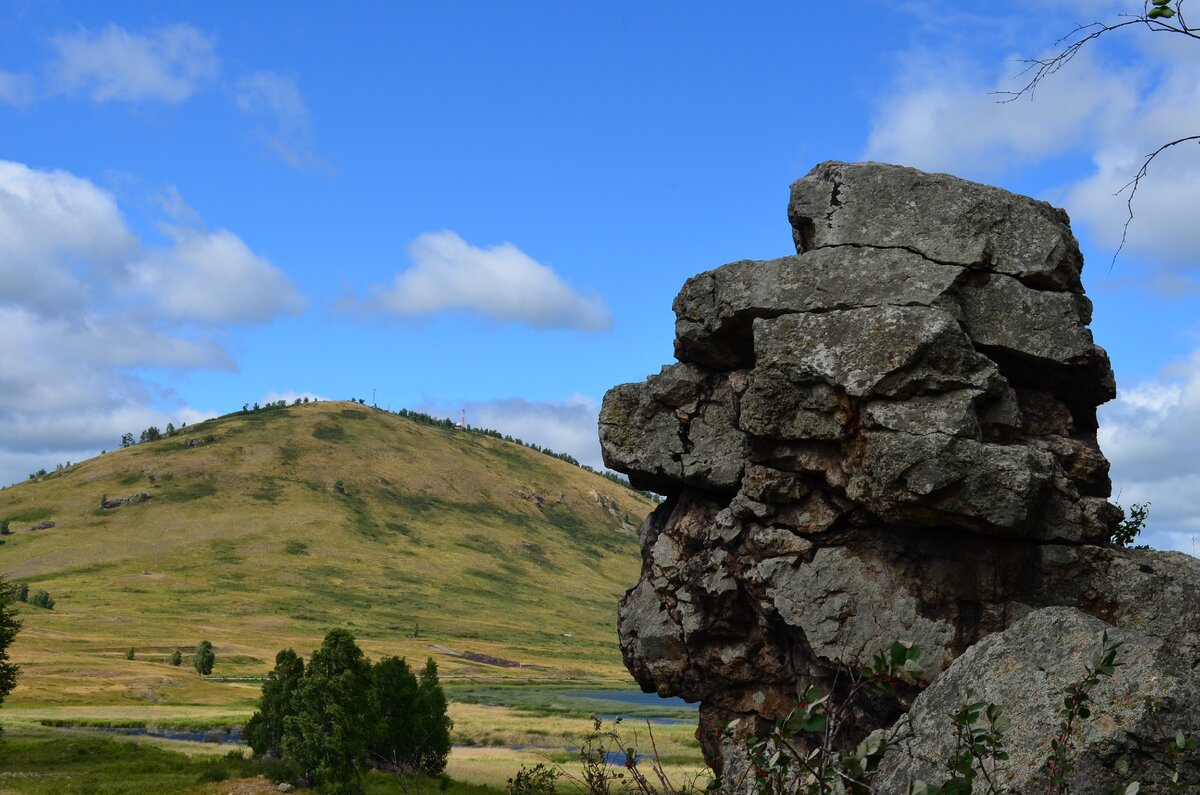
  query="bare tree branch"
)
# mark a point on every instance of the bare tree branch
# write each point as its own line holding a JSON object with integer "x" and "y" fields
{"x": 1132, "y": 186}
{"x": 1155, "y": 17}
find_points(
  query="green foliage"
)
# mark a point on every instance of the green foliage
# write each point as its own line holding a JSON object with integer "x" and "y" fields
{"x": 4, "y": 528}
{"x": 1132, "y": 525}
{"x": 22, "y": 591}
{"x": 432, "y": 741}
{"x": 176, "y": 658}
{"x": 1161, "y": 9}
{"x": 537, "y": 780}
{"x": 10, "y": 625}
{"x": 327, "y": 732}
{"x": 129, "y": 653}
{"x": 264, "y": 731}
{"x": 779, "y": 763}
{"x": 331, "y": 716}
{"x": 204, "y": 658}
{"x": 42, "y": 599}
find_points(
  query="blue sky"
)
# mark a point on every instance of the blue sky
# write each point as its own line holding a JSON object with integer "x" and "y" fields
{"x": 490, "y": 206}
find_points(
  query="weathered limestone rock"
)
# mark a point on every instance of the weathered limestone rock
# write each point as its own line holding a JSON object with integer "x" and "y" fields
{"x": 1025, "y": 670}
{"x": 888, "y": 436}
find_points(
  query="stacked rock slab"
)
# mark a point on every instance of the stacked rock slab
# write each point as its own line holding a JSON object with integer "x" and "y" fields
{"x": 889, "y": 436}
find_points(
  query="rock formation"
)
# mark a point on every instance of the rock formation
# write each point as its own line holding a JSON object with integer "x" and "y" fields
{"x": 889, "y": 436}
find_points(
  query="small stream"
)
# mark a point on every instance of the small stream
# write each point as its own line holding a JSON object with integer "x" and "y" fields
{"x": 231, "y": 737}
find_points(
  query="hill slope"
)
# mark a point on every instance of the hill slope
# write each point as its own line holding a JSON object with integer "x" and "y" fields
{"x": 264, "y": 530}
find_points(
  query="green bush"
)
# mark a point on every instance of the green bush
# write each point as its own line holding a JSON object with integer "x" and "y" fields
{"x": 42, "y": 599}
{"x": 204, "y": 658}
{"x": 176, "y": 658}
{"x": 22, "y": 589}
{"x": 129, "y": 653}
{"x": 339, "y": 714}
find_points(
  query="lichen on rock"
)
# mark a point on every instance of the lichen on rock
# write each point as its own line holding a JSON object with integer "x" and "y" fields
{"x": 890, "y": 435}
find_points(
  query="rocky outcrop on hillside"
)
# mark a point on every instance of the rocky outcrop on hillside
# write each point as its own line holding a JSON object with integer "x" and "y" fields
{"x": 889, "y": 436}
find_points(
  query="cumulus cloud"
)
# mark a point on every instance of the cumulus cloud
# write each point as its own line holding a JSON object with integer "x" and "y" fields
{"x": 501, "y": 282}
{"x": 114, "y": 65}
{"x": 214, "y": 277}
{"x": 566, "y": 426}
{"x": 944, "y": 114}
{"x": 286, "y": 125}
{"x": 78, "y": 341}
{"x": 1151, "y": 434}
{"x": 54, "y": 229}
{"x": 941, "y": 113}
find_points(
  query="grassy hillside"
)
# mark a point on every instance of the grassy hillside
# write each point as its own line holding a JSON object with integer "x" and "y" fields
{"x": 272, "y": 527}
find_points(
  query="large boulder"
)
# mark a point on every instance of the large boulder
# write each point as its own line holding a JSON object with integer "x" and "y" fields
{"x": 1153, "y": 694}
{"x": 889, "y": 436}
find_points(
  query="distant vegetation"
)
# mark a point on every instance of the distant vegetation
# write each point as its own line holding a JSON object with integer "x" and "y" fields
{"x": 153, "y": 434}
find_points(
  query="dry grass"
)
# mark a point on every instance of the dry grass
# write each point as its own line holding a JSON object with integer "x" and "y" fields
{"x": 247, "y": 543}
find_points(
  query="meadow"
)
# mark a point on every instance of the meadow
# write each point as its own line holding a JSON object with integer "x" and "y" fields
{"x": 263, "y": 530}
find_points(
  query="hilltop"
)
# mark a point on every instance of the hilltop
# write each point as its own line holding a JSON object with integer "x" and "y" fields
{"x": 262, "y": 530}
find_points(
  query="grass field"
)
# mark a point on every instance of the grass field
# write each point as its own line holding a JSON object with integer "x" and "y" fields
{"x": 273, "y": 527}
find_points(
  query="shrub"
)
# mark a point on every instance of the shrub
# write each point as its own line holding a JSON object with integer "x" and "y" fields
{"x": 4, "y": 529}
{"x": 22, "y": 589}
{"x": 129, "y": 653}
{"x": 204, "y": 658}
{"x": 42, "y": 599}
{"x": 1132, "y": 525}
{"x": 176, "y": 658}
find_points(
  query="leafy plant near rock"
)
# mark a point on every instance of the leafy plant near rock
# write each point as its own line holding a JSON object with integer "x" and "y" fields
{"x": 780, "y": 764}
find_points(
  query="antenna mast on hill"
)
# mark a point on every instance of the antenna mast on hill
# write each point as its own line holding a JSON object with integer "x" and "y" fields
{"x": 462, "y": 419}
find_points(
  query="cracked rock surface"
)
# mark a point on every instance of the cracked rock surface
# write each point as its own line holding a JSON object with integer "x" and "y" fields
{"x": 889, "y": 436}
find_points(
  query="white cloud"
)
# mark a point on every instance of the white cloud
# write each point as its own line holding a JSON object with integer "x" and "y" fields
{"x": 941, "y": 114}
{"x": 1164, "y": 206}
{"x": 500, "y": 282}
{"x": 54, "y": 228}
{"x": 944, "y": 115}
{"x": 1151, "y": 434}
{"x": 78, "y": 341}
{"x": 566, "y": 426}
{"x": 287, "y": 126}
{"x": 216, "y": 278}
{"x": 114, "y": 65}
{"x": 16, "y": 89}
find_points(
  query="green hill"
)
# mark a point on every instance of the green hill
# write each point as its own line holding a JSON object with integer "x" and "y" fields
{"x": 264, "y": 530}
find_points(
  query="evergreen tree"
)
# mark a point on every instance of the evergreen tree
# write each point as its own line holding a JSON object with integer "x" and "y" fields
{"x": 433, "y": 736}
{"x": 176, "y": 658}
{"x": 264, "y": 731}
{"x": 394, "y": 745}
{"x": 9, "y": 627}
{"x": 204, "y": 658}
{"x": 333, "y": 720}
